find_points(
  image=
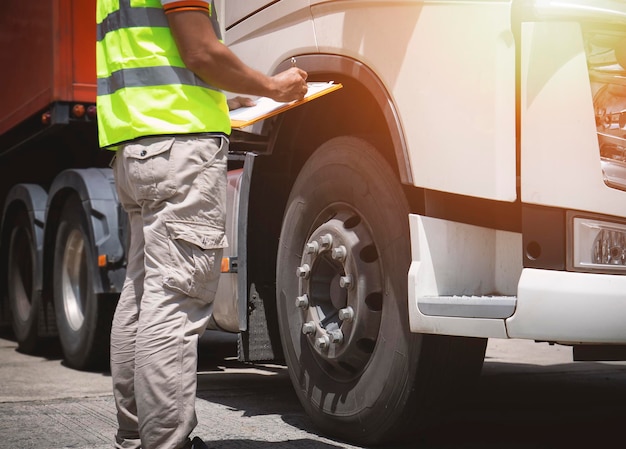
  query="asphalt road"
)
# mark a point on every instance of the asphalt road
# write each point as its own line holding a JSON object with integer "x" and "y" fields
{"x": 529, "y": 396}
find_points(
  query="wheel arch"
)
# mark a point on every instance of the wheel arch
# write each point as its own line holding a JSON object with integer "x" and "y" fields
{"x": 363, "y": 106}
{"x": 96, "y": 191}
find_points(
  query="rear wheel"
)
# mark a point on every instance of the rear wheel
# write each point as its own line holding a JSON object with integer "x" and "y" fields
{"x": 342, "y": 271}
{"x": 83, "y": 319}
{"x": 24, "y": 298}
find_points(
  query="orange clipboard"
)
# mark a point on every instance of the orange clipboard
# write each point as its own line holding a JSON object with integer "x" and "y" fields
{"x": 266, "y": 107}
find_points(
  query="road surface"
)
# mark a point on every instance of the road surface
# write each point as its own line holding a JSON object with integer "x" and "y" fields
{"x": 530, "y": 395}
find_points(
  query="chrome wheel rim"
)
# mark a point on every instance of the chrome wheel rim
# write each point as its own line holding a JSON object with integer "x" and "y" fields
{"x": 74, "y": 279}
{"x": 340, "y": 292}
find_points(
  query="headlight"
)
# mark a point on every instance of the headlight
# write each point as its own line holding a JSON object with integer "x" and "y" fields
{"x": 606, "y": 57}
{"x": 611, "y": 127}
{"x": 598, "y": 245}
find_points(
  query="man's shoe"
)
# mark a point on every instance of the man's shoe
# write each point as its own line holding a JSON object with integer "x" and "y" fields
{"x": 197, "y": 443}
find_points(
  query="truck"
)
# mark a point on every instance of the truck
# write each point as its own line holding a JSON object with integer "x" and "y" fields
{"x": 467, "y": 182}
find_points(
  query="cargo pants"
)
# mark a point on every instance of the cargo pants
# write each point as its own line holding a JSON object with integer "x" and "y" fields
{"x": 174, "y": 190}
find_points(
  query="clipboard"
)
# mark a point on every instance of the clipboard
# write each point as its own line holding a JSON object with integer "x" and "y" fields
{"x": 266, "y": 107}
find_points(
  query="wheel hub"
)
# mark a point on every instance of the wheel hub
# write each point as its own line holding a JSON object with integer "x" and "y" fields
{"x": 74, "y": 280}
{"x": 340, "y": 293}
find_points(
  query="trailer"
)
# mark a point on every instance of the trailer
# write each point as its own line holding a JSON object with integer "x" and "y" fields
{"x": 61, "y": 238}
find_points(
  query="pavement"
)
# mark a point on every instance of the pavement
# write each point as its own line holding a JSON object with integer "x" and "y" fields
{"x": 44, "y": 404}
{"x": 530, "y": 396}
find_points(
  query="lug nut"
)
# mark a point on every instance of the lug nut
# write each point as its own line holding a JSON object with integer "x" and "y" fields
{"x": 322, "y": 342}
{"x": 339, "y": 253}
{"x": 326, "y": 241}
{"x": 346, "y": 314}
{"x": 345, "y": 281}
{"x": 302, "y": 301}
{"x": 312, "y": 248}
{"x": 304, "y": 271}
{"x": 336, "y": 337}
{"x": 309, "y": 328}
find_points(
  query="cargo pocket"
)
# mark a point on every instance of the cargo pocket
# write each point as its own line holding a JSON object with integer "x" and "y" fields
{"x": 195, "y": 259}
{"x": 150, "y": 170}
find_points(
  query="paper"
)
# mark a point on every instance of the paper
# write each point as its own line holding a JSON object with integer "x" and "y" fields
{"x": 266, "y": 107}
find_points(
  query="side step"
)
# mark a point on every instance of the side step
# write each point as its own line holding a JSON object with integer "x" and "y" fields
{"x": 468, "y": 306}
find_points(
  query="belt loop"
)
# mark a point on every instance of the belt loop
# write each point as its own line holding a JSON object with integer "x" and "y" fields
{"x": 113, "y": 159}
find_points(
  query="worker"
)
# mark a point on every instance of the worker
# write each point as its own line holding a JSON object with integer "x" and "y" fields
{"x": 162, "y": 70}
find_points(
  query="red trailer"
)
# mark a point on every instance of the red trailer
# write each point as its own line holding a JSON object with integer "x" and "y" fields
{"x": 62, "y": 236}
{"x": 48, "y": 55}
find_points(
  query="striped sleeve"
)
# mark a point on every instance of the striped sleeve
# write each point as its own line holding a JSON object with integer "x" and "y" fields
{"x": 186, "y": 5}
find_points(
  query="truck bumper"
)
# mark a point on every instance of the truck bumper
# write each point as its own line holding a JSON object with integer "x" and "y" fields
{"x": 569, "y": 307}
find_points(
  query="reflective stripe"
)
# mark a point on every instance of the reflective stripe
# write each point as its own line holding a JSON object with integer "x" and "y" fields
{"x": 130, "y": 18}
{"x": 148, "y": 77}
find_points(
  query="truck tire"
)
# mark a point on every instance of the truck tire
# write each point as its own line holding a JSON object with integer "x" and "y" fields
{"x": 24, "y": 298}
{"x": 342, "y": 268}
{"x": 83, "y": 318}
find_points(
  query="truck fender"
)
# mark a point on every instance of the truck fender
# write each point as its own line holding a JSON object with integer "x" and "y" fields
{"x": 338, "y": 65}
{"x": 107, "y": 223}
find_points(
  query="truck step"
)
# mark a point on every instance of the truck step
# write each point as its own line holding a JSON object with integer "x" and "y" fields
{"x": 468, "y": 306}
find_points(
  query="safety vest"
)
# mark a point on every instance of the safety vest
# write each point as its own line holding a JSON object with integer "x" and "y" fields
{"x": 144, "y": 88}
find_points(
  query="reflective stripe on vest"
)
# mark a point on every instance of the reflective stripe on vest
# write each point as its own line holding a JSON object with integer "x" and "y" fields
{"x": 148, "y": 76}
{"x": 143, "y": 86}
{"x": 149, "y": 17}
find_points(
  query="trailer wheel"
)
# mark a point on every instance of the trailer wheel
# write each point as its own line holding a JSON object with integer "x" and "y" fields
{"x": 343, "y": 261}
{"x": 83, "y": 319}
{"x": 24, "y": 298}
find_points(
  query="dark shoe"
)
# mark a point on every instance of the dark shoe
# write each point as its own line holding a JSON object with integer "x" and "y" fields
{"x": 197, "y": 443}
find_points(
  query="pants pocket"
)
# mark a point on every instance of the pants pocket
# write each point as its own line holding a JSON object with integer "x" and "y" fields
{"x": 150, "y": 169}
{"x": 195, "y": 251}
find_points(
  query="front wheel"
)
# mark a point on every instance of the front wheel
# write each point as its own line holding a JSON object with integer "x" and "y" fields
{"x": 83, "y": 319}
{"x": 342, "y": 270}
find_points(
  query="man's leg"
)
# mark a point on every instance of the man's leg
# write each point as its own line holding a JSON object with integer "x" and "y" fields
{"x": 184, "y": 236}
{"x": 123, "y": 335}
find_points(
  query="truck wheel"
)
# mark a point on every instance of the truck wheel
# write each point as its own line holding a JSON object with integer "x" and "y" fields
{"x": 343, "y": 261}
{"x": 83, "y": 320}
{"x": 23, "y": 297}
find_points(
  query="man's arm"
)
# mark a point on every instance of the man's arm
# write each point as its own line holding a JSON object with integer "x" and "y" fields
{"x": 213, "y": 62}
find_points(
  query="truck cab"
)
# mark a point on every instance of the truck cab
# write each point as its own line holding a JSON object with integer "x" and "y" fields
{"x": 466, "y": 183}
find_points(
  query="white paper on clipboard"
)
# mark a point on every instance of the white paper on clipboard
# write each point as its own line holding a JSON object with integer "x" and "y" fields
{"x": 266, "y": 107}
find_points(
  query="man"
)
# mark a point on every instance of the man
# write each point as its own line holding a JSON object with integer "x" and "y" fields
{"x": 161, "y": 71}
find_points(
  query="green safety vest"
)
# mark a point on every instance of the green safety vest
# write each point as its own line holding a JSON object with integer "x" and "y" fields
{"x": 144, "y": 88}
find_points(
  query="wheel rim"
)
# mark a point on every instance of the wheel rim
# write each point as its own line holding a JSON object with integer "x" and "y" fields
{"x": 21, "y": 274}
{"x": 74, "y": 280}
{"x": 340, "y": 292}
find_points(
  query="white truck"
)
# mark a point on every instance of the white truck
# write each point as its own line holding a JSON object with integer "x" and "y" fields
{"x": 467, "y": 182}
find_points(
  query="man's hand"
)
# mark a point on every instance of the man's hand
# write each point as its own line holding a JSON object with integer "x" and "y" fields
{"x": 289, "y": 85}
{"x": 240, "y": 102}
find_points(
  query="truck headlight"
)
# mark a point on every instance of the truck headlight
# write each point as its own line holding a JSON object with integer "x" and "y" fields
{"x": 598, "y": 245}
{"x": 613, "y": 160}
{"x": 610, "y": 106}
{"x": 606, "y": 58}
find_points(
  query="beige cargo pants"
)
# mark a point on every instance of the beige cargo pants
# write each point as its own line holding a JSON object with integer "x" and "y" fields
{"x": 174, "y": 190}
